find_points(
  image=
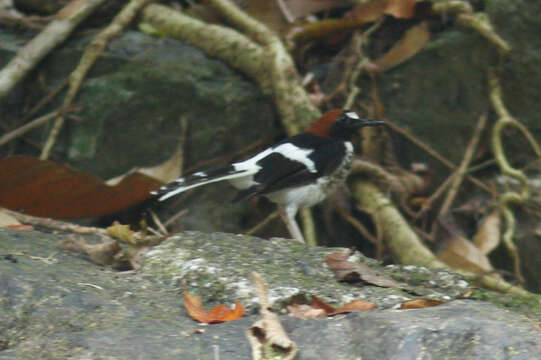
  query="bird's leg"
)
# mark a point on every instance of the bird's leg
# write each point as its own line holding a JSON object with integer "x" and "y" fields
{"x": 288, "y": 216}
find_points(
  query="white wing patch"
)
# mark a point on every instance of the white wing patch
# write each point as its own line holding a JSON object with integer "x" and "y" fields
{"x": 289, "y": 151}
{"x": 352, "y": 115}
{"x": 293, "y": 152}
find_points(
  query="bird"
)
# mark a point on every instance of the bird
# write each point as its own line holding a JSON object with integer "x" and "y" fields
{"x": 299, "y": 171}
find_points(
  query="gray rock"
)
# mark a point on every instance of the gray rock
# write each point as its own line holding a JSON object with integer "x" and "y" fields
{"x": 132, "y": 102}
{"x": 58, "y": 305}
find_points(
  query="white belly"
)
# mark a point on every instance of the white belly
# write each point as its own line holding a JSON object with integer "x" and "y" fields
{"x": 303, "y": 196}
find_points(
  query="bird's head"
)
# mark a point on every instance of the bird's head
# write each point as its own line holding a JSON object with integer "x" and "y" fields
{"x": 340, "y": 124}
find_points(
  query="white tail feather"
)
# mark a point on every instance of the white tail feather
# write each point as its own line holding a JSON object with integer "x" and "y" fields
{"x": 180, "y": 189}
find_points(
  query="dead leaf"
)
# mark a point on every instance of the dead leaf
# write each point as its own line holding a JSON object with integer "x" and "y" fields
{"x": 19, "y": 227}
{"x": 267, "y": 337}
{"x": 368, "y": 11}
{"x": 460, "y": 253}
{"x": 122, "y": 233}
{"x": 355, "y": 305}
{"x": 305, "y": 311}
{"x": 457, "y": 251}
{"x": 317, "y": 303}
{"x": 7, "y": 220}
{"x": 320, "y": 308}
{"x": 165, "y": 172}
{"x": 349, "y": 271}
{"x": 401, "y": 9}
{"x": 101, "y": 254}
{"x": 488, "y": 235}
{"x": 48, "y": 189}
{"x": 419, "y": 304}
{"x": 218, "y": 314}
{"x": 411, "y": 43}
{"x": 300, "y": 8}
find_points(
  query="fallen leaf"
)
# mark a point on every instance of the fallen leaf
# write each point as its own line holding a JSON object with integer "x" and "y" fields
{"x": 267, "y": 337}
{"x": 349, "y": 271}
{"x": 122, "y": 233}
{"x": 460, "y": 253}
{"x": 7, "y": 220}
{"x": 487, "y": 237}
{"x": 368, "y": 11}
{"x": 101, "y": 254}
{"x": 401, "y": 9}
{"x": 410, "y": 44}
{"x": 48, "y": 189}
{"x": 317, "y": 303}
{"x": 355, "y": 305}
{"x": 300, "y": 8}
{"x": 320, "y": 308}
{"x": 218, "y": 314}
{"x": 419, "y": 304}
{"x": 19, "y": 227}
{"x": 305, "y": 311}
{"x": 457, "y": 251}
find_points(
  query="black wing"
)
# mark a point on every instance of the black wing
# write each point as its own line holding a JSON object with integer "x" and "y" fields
{"x": 279, "y": 172}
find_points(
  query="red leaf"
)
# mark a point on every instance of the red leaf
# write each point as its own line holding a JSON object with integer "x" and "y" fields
{"x": 219, "y": 313}
{"x": 48, "y": 189}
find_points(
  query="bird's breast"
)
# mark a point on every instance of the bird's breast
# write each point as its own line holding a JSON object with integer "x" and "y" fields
{"x": 310, "y": 194}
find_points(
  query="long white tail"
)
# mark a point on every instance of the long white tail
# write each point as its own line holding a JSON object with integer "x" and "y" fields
{"x": 199, "y": 179}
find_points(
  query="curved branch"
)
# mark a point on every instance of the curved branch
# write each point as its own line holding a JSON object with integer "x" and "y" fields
{"x": 407, "y": 248}
{"x": 267, "y": 62}
{"x": 92, "y": 53}
{"x": 55, "y": 33}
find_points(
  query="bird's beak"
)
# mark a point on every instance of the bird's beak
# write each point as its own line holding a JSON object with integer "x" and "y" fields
{"x": 366, "y": 122}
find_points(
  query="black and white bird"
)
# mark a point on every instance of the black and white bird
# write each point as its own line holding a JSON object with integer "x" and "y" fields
{"x": 299, "y": 171}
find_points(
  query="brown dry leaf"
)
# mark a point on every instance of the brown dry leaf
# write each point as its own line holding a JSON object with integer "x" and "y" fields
{"x": 320, "y": 308}
{"x": 488, "y": 235}
{"x": 304, "y": 311}
{"x": 165, "y": 172}
{"x": 355, "y": 305}
{"x": 299, "y": 8}
{"x": 460, "y": 253}
{"x": 267, "y": 337}
{"x": 317, "y": 303}
{"x": 48, "y": 189}
{"x": 101, "y": 254}
{"x": 411, "y": 43}
{"x": 401, "y": 9}
{"x": 419, "y": 304}
{"x": 367, "y": 12}
{"x": 349, "y": 271}
{"x": 7, "y": 220}
{"x": 122, "y": 233}
{"x": 218, "y": 314}
{"x": 20, "y": 227}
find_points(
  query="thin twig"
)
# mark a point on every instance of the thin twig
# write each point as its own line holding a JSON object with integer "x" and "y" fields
{"x": 267, "y": 220}
{"x": 226, "y": 159}
{"x": 35, "y": 50}
{"x": 158, "y": 223}
{"x": 33, "y": 124}
{"x": 463, "y": 168}
{"x": 309, "y": 226}
{"x": 46, "y": 100}
{"x": 92, "y": 53}
{"x": 359, "y": 226}
{"x": 434, "y": 154}
{"x": 510, "y": 197}
{"x": 55, "y": 224}
{"x": 175, "y": 217}
{"x": 427, "y": 204}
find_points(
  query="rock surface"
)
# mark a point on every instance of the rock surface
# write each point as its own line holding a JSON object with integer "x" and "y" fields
{"x": 58, "y": 305}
